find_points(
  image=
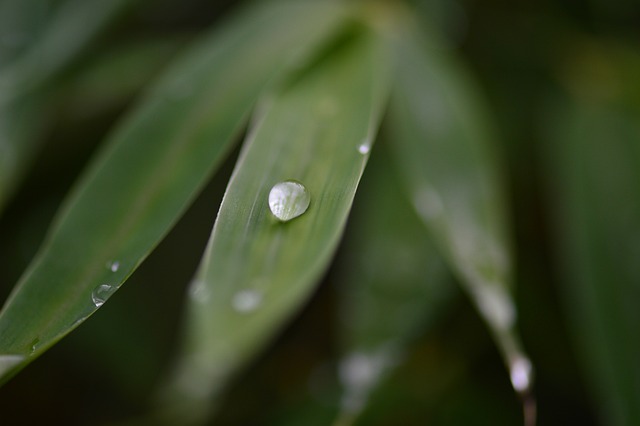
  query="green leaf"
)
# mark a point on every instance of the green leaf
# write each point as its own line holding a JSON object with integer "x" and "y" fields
{"x": 444, "y": 148}
{"x": 257, "y": 270}
{"x": 594, "y": 158}
{"x": 391, "y": 281}
{"x": 151, "y": 168}
{"x": 26, "y": 82}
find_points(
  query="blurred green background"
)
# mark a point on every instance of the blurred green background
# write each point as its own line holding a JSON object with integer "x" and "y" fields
{"x": 554, "y": 72}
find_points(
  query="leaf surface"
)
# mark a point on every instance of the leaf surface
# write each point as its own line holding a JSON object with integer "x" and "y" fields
{"x": 258, "y": 270}
{"x": 444, "y": 146}
{"x": 151, "y": 168}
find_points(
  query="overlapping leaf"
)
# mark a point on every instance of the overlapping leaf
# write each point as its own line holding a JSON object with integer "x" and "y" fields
{"x": 150, "y": 169}
{"x": 444, "y": 147}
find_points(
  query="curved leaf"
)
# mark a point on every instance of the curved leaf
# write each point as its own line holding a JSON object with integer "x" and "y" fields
{"x": 444, "y": 148}
{"x": 257, "y": 270}
{"x": 152, "y": 167}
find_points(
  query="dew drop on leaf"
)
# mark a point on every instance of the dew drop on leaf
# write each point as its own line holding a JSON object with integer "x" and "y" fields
{"x": 288, "y": 200}
{"x": 101, "y": 294}
{"x": 365, "y": 147}
{"x": 113, "y": 266}
{"x": 521, "y": 374}
{"x": 247, "y": 300}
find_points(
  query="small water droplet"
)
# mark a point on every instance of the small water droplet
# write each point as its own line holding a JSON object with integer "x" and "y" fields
{"x": 35, "y": 343}
{"x": 8, "y": 361}
{"x": 360, "y": 371}
{"x": 247, "y": 301}
{"x": 365, "y": 147}
{"x": 520, "y": 372}
{"x": 113, "y": 266}
{"x": 199, "y": 291}
{"x": 288, "y": 200}
{"x": 102, "y": 293}
{"x": 428, "y": 203}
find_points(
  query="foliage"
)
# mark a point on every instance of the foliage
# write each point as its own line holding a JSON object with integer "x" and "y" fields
{"x": 516, "y": 171}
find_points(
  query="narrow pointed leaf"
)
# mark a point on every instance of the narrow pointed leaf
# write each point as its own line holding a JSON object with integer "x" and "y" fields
{"x": 444, "y": 147}
{"x": 391, "y": 281}
{"x": 258, "y": 270}
{"x": 594, "y": 159}
{"x": 151, "y": 168}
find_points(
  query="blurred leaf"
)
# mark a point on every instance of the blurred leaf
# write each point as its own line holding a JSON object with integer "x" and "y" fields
{"x": 594, "y": 158}
{"x": 444, "y": 146}
{"x": 21, "y": 22}
{"x": 111, "y": 78}
{"x": 150, "y": 170}
{"x": 257, "y": 270}
{"x": 392, "y": 284}
{"x": 25, "y": 83}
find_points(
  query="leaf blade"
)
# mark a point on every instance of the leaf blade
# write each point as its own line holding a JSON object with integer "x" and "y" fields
{"x": 152, "y": 168}
{"x": 445, "y": 151}
{"x": 311, "y": 132}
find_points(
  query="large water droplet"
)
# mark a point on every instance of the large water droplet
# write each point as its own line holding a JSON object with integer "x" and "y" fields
{"x": 288, "y": 200}
{"x": 247, "y": 300}
{"x": 102, "y": 293}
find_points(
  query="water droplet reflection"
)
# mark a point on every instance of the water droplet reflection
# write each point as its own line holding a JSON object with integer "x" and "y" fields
{"x": 101, "y": 294}
{"x": 113, "y": 266}
{"x": 520, "y": 372}
{"x": 288, "y": 200}
{"x": 365, "y": 147}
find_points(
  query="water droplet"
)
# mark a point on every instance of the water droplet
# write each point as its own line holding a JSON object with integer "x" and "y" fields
{"x": 8, "y": 361}
{"x": 288, "y": 200}
{"x": 247, "y": 301}
{"x": 199, "y": 291}
{"x": 35, "y": 343}
{"x": 520, "y": 372}
{"x": 428, "y": 203}
{"x": 113, "y": 266}
{"x": 102, "y": 293}
{"x": 360, "y": 371}
{"x": 365, "y": 147}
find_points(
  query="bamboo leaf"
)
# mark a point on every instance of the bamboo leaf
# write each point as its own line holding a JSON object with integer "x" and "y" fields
{"x": 258, "y": 270}
{"x": 594, "y": 159}
{"x": 444, "y": 148}
{"x": 25, "y": 82}
{"x": 392, "y": 285}
{"x": 151, "y": 168}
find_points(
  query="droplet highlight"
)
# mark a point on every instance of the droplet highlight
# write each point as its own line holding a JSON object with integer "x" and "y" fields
{"x": 247, "y": 301}
{"x": 33, "y": 346}
{"x": 365, "y": 147}
{"x": 8, "y": 362}
{"x": 102, "y": 293}
{"x": 113, "y": 266}
{"x": 288, "y": 200}
{"x": 520, "y": 372}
